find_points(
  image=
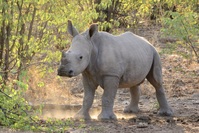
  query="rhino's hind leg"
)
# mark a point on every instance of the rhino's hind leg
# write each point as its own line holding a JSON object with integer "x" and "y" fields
{"x": 133, "y": 106}
{"x": 155, "y": 78}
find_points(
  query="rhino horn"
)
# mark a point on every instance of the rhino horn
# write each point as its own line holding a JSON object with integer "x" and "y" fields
{"x": 63, "y": 54}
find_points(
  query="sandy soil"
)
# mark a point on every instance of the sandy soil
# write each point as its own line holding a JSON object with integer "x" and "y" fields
{"x": 185, "y": 119}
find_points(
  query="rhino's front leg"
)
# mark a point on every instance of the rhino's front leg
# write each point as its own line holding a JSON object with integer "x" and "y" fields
{"x": 89, "y": 92}
{"x": 110, "y": 85}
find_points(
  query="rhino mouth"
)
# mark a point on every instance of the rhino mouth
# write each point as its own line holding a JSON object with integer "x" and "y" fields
{"x": 65, "y": 73}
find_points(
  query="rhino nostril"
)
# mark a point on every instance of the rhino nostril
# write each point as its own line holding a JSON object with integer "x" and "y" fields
{"x": 70, "y": 72}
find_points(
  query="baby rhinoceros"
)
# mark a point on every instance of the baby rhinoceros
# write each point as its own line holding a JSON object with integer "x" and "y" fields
{"x": 112, "y": 62}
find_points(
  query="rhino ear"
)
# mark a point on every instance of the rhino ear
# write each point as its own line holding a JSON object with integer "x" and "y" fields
{"x": 71, "y": 29}
{"x": 93, "y": 29}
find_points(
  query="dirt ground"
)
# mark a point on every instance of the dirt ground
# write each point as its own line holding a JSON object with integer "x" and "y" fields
{"x": 182, "y": 89}
{"x": 63, "y": 97}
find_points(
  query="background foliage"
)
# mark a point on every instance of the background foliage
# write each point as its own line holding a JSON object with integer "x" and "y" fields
{"x": 34, "y": 31}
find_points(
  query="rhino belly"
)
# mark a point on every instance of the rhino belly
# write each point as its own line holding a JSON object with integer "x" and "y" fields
{"x": 135, "y": 74}
{"x": 132, "y": 79}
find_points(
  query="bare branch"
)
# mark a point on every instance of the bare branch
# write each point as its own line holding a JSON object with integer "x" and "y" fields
{"x": 189, "y": 42}
{"x": 31, "y": 23}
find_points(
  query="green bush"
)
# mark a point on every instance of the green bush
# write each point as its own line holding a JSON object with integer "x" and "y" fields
{"x": 14, "y": 109}
{"x": 184, "y": 28}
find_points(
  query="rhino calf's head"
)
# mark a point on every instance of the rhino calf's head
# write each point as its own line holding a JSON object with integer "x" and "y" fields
{"x": 76, "y": 59}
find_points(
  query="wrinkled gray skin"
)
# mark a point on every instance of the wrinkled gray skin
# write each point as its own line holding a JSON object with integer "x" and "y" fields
{"x": 112, "y": 62}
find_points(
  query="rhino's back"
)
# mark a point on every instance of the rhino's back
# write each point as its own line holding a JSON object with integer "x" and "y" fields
{"x": 126, "y": 56}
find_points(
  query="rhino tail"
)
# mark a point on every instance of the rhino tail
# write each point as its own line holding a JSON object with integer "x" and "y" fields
{"x": 155, "y": 74}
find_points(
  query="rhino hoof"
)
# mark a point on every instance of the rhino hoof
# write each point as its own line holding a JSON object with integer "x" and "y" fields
{"x": 165, "y": 112}
{"x": 131, "y": 110}
{"x": 107, "y": 117}
{"x": 80, "y": 115}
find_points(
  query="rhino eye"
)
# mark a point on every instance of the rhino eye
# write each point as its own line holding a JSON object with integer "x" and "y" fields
{"x": 81, "y": 57}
